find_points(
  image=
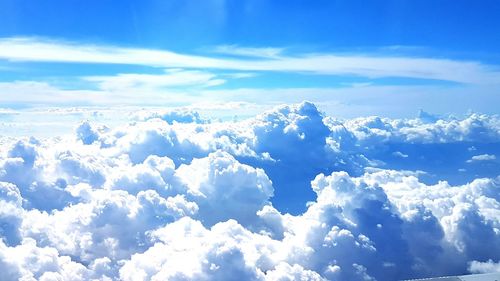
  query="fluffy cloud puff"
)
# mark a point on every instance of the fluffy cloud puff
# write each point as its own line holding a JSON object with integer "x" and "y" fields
{"x": 288, "y": 195}
{"x": 170, "y": 116}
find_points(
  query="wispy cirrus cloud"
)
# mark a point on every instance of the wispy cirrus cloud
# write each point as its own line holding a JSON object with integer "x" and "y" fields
{"x": 361, "y": 65}
{"x": 34, "y": 93}
{"x": 171, "y": 78}
{"x": 235, "y": 50}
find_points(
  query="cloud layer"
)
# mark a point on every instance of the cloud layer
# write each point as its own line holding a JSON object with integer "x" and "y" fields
{"x": 261, "y": 59}
{"x": 291, "y": 194}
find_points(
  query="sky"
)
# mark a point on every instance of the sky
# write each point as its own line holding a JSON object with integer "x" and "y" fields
{"x": 388, "y": 58}
{"x": 249, "y": 140}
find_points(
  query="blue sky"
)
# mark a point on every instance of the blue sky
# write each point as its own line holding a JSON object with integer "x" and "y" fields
{"x": 354, "y": 57}
{"x": 249, "y": 139}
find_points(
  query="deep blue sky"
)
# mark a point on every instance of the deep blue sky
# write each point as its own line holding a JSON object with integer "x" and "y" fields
{"x": 453, "y": 25}
{"x": 455, "y": 30}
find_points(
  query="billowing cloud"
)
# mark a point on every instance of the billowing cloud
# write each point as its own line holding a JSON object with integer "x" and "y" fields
{"x": 170, "y": 116}
{"x": 484, "y": 267}
{"x": 290, "y": 194}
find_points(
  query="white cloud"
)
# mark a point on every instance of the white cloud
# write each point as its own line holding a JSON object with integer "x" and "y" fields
{"x": 183, "y": 115}
{"x": 32, "y": 93}
{"x": 157, "y": 199}
{"x": 482, "y": 157}
{"x": 225, "y": 189}
{"x": 226, "y": 251}
{"x": 484, "y": 267}
{"x": 140, "y": 82}
{"x": 33, "y": 49}
{"x": 248, "y": 52}
{"x": 475, "y": 127}
{"x": 390, "y": 101}
{"x": 29, "y": 262}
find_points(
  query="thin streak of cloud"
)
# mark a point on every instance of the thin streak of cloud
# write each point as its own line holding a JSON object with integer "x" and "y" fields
{"x": 248, "y": 52}
{"x": 171, "y": 78}
{"x": 470, "y": 72}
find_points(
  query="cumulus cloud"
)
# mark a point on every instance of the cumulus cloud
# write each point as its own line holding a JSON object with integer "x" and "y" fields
{"x": 225, "y": 189}
{"x": 29, "y": 262}
{"x": 484, "y": 267}
{"x": 290, "y": 194}
{"x": 482, "y": 157}
{"x": 170, "y": 116}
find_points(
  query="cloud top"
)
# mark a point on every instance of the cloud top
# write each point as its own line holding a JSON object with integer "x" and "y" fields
{"x": 291, "y": 194}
